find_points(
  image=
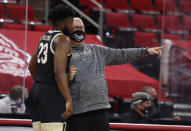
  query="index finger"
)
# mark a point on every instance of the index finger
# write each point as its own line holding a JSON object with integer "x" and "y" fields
{"x": 161, "y": 47}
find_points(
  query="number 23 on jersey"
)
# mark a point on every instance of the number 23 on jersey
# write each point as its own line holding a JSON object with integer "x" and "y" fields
{"x": 43, "y": 53}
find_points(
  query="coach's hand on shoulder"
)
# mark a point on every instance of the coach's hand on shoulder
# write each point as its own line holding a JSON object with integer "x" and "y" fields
{"x": 155, "y": 50}
{"x": 72, "y": 72}
{"x": 69, "y": 110}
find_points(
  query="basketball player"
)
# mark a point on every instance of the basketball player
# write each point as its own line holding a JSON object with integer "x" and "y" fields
{"x": 50, "y": 96}
{"x": 89, "y": 89}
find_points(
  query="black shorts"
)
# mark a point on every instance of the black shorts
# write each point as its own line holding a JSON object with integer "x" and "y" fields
{"x": 90, "y": 121}
{"x": 45, "y": 103}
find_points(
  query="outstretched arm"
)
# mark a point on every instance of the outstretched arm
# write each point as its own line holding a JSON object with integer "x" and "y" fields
{"x": 122, "y": 56}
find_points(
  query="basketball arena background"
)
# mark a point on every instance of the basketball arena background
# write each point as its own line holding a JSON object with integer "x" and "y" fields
{"x": 116, "y": 24}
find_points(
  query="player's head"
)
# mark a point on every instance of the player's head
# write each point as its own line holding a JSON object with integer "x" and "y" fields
{"x": 78, "y": 34}
{"x": 62, "y": 18}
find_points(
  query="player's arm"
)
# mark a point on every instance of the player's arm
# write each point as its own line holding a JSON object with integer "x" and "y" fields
{"x": 61, "y": 49}
{"x": 32, "y": 63}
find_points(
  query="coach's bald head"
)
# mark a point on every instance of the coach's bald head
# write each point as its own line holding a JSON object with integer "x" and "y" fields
{"x": 78, "y": 34}
{"x": 78, "y": 24}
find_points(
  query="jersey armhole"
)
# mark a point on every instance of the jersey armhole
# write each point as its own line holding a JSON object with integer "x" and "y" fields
{"x": 70, "y": 54}
{"x": 51, "y": 49}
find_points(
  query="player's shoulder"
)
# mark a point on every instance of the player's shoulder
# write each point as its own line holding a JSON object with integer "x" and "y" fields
{"x": 61, "y": 38}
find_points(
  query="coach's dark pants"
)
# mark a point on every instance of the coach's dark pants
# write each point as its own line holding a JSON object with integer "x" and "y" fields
{"x": 90, "y": 121}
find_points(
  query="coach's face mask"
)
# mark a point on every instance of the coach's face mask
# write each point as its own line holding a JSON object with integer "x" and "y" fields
{"x": 78, "y": 36}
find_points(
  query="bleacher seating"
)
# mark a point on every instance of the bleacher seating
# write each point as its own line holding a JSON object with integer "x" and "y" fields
{"x": 15, "y": 26}
{"x": 188, "y": 38}
{"x": 186, "y": 22}
{"x": 119, "y": 5}
{"x": 185, "y": 6}
{"x": 171, "y": 36}
{"x": 143, "y": 21}
{"x": 41, "y": 28}
{"x": 118, "y": 20}
{"x": 18, "y": 13}
{"x": 142, "y": 5}
{"x": 169, "y": 23}
{"x": 167, "y": 6}
{"x": 143, "y": 39}
{"x": 1, "y": 11}
{"x": 88, "y": 3}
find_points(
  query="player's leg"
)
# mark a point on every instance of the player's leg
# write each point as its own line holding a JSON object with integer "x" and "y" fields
{"x": 54, "y": 126}
{"x": 36, "y": 126}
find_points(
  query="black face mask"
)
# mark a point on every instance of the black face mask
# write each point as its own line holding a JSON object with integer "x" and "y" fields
{"x": 155, "y": 101}
{"x": 78, "y": 36}
{"x": 66, "y": 31}
{"x": 147, "y": 110}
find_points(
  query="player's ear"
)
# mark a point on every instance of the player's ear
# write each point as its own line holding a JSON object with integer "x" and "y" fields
{"x": 61, "y": 24}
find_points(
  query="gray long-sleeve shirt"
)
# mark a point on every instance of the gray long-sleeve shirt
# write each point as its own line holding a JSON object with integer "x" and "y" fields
{"x": 89, "y": 90}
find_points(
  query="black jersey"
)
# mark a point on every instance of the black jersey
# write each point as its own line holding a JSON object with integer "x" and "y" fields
{"x": 45, "y": 60}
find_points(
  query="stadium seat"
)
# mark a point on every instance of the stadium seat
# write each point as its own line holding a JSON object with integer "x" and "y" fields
{"x": 88, "y": 3}
{"x": 143, "y": 39}
{"x": 18, "y": 13}
{"x": 142, "y": 5}
{"x": 41, "y": 28}
{"x": 119, "y": 20}
{"x": 185, "y": 6}
{"x": 117, "y": 5}
{"x": 169, "y": 23}
{"x": 3, "y": 18}
{"x": 1, "y": 11}
{"x": 188, "y": 38}
{"x": 143, "y": 21}
{"x": 171, "y": 36}
{"x": 15, "y": 26}
{"x": 186, "y": 22}
{"x": 167, "y": 6}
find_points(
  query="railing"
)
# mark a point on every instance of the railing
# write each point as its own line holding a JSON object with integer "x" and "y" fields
{"x": 113, "y": 126}
{"x": 147, "y": 127}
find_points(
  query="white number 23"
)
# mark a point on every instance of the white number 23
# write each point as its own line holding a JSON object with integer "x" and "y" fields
{"x": 44, "y": 51}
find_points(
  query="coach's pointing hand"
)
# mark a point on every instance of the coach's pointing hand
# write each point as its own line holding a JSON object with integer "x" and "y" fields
{"x": 155, "y": 51}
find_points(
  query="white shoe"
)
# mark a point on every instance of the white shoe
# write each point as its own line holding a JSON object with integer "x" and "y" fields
{"x": 54, "y": 126}
{"x": 36, "y": 126}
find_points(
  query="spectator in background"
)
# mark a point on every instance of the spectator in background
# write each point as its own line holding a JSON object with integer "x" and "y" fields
{"x": 12, "y": 102}
{"x": 154, "y": 111}
{"x": 139, "y": 103}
